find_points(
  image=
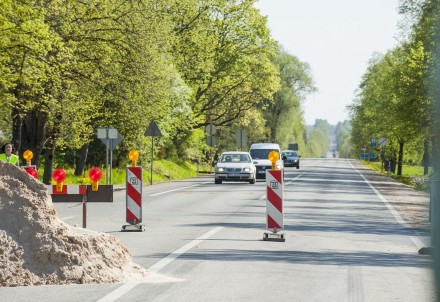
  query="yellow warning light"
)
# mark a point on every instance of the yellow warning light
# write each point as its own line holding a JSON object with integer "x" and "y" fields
{"x": 274, "y": 157}
{"x": 133, "y": 155}
{"x": 28, "y": 155}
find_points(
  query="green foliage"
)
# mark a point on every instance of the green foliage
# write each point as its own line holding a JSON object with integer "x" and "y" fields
{"x": 163, "y": 170}
{"x": 318, "y": 139}
{"x": 70, "y": 67}
{"x": 396, "y": 98}
{"x": 343, "y": 140}
{"x": 284, "y": 115}
{"x": 223, "y": 51}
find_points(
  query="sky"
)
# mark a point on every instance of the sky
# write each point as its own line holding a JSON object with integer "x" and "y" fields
{"x": 336, "y": 38}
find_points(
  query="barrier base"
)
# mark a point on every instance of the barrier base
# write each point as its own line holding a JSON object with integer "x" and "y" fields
{"x": 274, "y": 237}
{"x": 133, "y": 228}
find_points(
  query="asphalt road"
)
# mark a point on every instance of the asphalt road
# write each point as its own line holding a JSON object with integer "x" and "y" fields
{"x": 344, "y": 242}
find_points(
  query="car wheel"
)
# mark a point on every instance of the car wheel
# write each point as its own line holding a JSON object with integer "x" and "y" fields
{"x": 252, "y": 181}
{"x": 297, "y": 167}
{"x": 218, "y": 181}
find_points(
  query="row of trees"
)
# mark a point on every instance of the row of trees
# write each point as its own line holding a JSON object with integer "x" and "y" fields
{"x": 69, "y": 67}
{"x": 396, "y": 96}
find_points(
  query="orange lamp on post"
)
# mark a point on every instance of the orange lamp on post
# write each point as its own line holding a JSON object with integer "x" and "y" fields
{"x": 59, "y": 175}
{"x": 274, "y": 157}
{"x": 95, "y": 175}
{"x": 28, "y": 155}
{"x": 133, "y": 155}
{"x": 31, "y": 170}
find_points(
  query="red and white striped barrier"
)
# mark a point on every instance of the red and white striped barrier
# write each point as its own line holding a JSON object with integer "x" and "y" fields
{"x": 274, "y": 199}
{"x": 134, "y": 195}
{"x": 67, "y": 189}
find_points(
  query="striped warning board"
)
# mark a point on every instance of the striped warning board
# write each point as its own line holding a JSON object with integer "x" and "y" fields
{"x": 67, "y": 189}
{"x": 274, "y": 199}
{"x": 134, "y": 195}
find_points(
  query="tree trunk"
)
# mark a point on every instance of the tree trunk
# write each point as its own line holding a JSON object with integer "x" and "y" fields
{"x": 17, "y": 122}
{"x": 81, "y": 160}
{"x": 400, "y": 159}
{"x": 426, "y": 158}
{"x": 48, "y": 163}
{"x": 34, "y": 134}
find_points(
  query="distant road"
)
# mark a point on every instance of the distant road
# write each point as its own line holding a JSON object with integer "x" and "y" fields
{"x": 204, "y": 242}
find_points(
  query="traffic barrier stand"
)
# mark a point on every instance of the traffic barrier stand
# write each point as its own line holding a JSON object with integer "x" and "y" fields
{"x": 68, "y": 191}
{"x": 274, "y": 206}
{"x": 71, "y": 193}
{"x": 133, "y": 195}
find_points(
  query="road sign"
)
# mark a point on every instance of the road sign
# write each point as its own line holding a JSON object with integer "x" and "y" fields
{"x": 153, "y": 130}
{"x": 211, "y": 140}
{"x": 382, "y": 141}
{"x": 293, "y": 147}
{"x": 211, "y": 129}
{"x": 112, "y": 142}
{"x": 111, "y": 138}
{"x": 241, "y": 138}
{"x": 373, "y": 142}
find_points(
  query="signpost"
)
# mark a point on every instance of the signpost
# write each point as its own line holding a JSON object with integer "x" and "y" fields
{"x": 111, "y": 138}
{"x": 241, "y": 138}
{"x": 152, "y": 130}
{"x": 211, "y": 139}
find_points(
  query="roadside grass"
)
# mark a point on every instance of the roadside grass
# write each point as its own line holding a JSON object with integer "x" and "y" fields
{"x": 163, "y": 170}
{"x": 411, "y": 175}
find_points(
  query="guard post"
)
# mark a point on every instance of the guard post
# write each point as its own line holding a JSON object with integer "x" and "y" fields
{"x": 133, "y": 196}
{"x": 274, "y": 201}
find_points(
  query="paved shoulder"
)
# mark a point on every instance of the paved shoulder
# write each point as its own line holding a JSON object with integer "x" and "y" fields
{"x": 412, "y": 205}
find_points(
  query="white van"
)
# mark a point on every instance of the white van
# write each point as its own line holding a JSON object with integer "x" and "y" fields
{"x": 260, "y": 156}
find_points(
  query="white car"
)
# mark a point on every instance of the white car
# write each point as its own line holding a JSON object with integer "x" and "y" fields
{"x": 260, "y": 154}
{"x": 235, "y": 166}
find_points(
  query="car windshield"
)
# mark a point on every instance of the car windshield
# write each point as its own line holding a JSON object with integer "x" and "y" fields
{"x": 261, "y": 153}
{"x": 289, "y": 154}
{"x": 235, "y": 158}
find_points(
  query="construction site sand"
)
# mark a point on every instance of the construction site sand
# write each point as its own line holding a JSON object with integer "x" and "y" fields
{"x": 37, "y": 248}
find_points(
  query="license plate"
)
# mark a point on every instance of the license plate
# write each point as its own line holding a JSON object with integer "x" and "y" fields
{"x": 261, "y": 172}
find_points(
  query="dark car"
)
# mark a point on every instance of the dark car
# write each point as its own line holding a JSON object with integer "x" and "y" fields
{"x": 290, "y": 158}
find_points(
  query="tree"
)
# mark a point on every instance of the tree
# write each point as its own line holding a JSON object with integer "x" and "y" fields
{"x": 284, "y": 115}
{"x": 223, "y": 51}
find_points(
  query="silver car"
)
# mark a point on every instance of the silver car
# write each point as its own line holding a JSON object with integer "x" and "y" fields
{"x": 235, "y": 166}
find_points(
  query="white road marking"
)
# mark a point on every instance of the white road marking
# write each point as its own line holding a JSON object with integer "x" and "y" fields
{"x": 418, "y": 242}
{"x": 168, "y": 259}
{"x": 126, "y": 287}
{"x": 156, "y": 194}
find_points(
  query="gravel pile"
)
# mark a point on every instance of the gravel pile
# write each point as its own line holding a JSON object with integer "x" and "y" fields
{"x": 36, "y": 247}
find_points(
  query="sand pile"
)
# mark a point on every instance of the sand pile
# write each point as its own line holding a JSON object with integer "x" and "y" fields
{"x": 36, "y": 247}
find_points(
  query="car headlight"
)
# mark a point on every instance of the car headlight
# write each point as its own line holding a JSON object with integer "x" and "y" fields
{"x": 247, "y": 169}
{"x": 278, "y": 167}
{"x": 220, "y": 169}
